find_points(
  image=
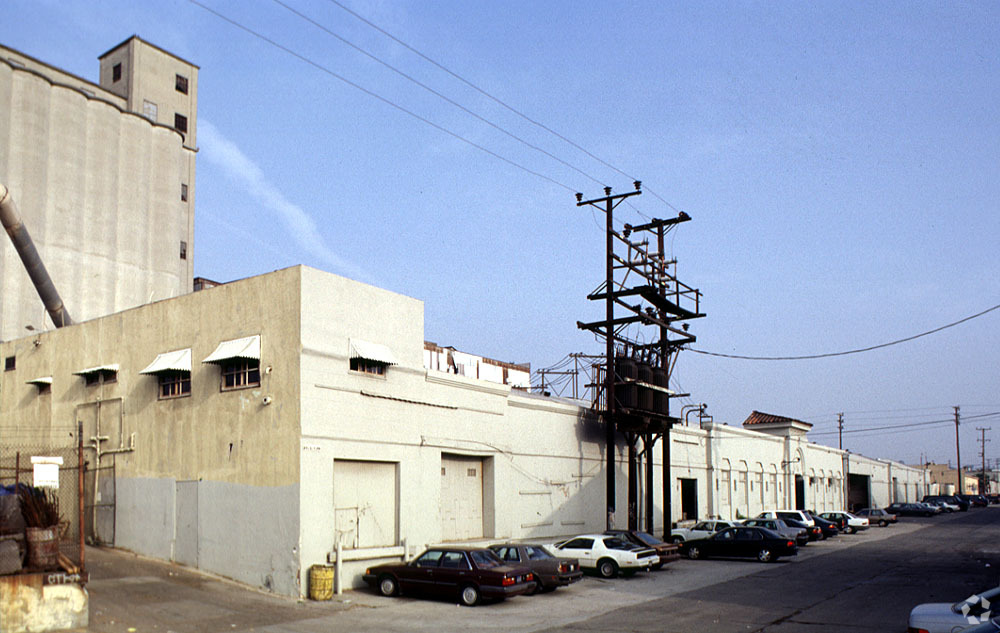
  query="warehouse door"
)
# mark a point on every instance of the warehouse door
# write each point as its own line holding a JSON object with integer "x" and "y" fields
{"x": 365, "y": 503}
{"x": 461, "y": 497}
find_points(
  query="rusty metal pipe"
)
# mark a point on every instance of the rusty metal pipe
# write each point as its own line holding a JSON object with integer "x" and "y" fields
{"x": 32, "y": 261}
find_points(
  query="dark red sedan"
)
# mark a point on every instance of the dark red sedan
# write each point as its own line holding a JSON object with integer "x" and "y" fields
{"x": 550, "y": 572}
{"x": 468, "y": 574}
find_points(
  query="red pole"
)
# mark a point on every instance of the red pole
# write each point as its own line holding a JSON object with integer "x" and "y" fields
{"x": 79, "y": 469}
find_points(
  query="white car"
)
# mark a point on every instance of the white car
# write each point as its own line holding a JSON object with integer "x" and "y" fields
{"x": 701, "y": 529}
{"x": 605, "y": 554}
{"x": 943, "y": 617}
{"x": 854, "y": 524}
{"x": 795, "y": 515}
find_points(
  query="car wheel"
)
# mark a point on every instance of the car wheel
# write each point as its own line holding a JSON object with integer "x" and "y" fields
{"x": 694, "y": 553}
{"x": 470, "y": 595}
{"x": 535, "y": 588}
{"x": 822, "y": 536}
{"x": 852, "y": 530}
{"x": 764, "y": 556}
{"x": 883, "y": 523}
{"x": 607, "y": 568}
{"x": 657, "y": 567}
{"x": 387, "y": 586}
{"x": 676, "y": 540}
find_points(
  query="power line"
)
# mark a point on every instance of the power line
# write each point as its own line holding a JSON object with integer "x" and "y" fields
{"x": 905, "y": 426}
{"x": 434, "y": 92}
{"x": 501, "y": 103}
{"x": 853, "y": 351}
{"x": 379, "y": 97}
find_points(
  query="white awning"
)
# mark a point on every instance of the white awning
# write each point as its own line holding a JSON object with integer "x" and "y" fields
{"x": 372, "y": 351}
{"x": 96, "y": 370}
{"x": 248, "y": 347}
{"x": 44, "y": 380}
{"x": 179, "y": 360}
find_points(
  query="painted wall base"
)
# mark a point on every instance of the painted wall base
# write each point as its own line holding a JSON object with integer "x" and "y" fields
{"x": 28, "y": 605}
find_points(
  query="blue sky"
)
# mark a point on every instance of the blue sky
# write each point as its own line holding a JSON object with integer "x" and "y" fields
{"x": 839, "y": 160}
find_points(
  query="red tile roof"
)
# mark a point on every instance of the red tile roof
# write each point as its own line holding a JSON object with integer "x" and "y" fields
{"x": 766, "y": 418}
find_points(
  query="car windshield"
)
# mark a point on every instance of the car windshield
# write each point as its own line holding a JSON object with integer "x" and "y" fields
{"x": 648, "y": 539}
{"x": 537, "y": 553}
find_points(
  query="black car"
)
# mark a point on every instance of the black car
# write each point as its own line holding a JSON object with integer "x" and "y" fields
{"x": 910, "y": 510}
{"x": 468, "y": 574}
{"x": 813, "y": 532}
{"x": 977, "y": 501}
{"x": 755, "y": 542}
{"x": 550, "y": 572}
{"x": 830, "y": 529}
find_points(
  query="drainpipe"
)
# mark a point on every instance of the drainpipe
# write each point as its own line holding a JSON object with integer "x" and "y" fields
{"x": 32, "y": 261}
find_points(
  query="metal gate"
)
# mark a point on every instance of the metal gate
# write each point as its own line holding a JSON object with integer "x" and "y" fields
{"x": 99, "y": 504}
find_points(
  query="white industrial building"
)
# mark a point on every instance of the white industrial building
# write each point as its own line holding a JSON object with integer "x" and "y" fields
{"x": 254, "y": 425}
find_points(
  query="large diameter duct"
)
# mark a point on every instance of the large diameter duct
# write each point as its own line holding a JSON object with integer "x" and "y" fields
{"x": 32, "y": 262}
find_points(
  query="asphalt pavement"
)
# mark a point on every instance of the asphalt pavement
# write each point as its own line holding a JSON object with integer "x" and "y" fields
{"x": 863, "y": 582}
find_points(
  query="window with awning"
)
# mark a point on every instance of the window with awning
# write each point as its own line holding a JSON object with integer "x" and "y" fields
{"x": 239, "y": 360}
{"x": 370, "y": 358}
{"x": 173, "y": 373}
{"x": 99, "y": 374}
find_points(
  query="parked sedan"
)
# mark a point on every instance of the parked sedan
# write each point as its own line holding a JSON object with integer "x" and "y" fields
{"x": 944, "y": 617}
{"x": 550, "y": 572}
{"x": 830, "y": 529}
{"x": 466, "y": 573}
{"x": 701, "y": 529}
{"x": 910, "y": 510}
{"x": 800, "y": 534}
{"x": 814, "y": 532}
{"x": 607, "y": 555}
{"x": 755, "y": 542}
{"x": 853, "y": 524}
{"x": 962, "y": 504}
{"x": 666, "y": 551}
{"x": 877, "y": 516}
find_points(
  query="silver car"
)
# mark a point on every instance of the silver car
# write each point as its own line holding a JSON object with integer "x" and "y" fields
{"x": 799, "y": 535}
{"x": 943, "y": 617}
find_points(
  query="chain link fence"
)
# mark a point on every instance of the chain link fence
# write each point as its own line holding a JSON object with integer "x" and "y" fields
{"x": 46, "y": 478}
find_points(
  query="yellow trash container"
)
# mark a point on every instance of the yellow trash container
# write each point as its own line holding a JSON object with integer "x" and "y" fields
{"x": 321, "y": 582}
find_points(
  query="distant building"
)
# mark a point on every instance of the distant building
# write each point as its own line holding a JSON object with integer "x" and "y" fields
{"x": 103, "y": 176}
{"x": 946, "y": 479}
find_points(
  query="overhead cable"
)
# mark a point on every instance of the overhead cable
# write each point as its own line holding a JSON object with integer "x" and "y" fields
{"x": 499, "y": 101}
{"x": 852, "y": 351}
{"x": 379, "y": 97}
{"x": 434, "y": 92}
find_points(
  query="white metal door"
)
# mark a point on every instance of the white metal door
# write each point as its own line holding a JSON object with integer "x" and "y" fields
{"x": 461, "y": 497}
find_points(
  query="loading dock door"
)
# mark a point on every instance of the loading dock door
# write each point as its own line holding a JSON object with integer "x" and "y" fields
{"x": 857, "y": 493}
{"x": 461, "y": 497}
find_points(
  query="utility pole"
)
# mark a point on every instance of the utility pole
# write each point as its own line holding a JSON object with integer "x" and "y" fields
{"x": 983, "y": 488}
{"x": 634, "y": 397}
{"x": 610, "y": 202}
{"x": 840, "y": 431}
{"x": 958, "y": 457}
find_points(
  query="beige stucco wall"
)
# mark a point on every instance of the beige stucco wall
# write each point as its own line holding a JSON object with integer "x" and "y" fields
{"x": 98, "y": 189}
{"x": 211, "y": 479}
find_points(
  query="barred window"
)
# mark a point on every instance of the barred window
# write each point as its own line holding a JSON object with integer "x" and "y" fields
{"x": 175, "y": 384}
{"x": 240, "y": 373}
